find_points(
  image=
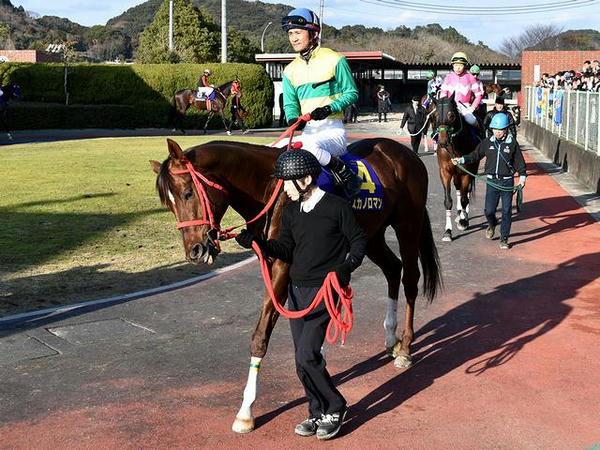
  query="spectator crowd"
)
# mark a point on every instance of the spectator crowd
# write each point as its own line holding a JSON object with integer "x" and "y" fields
{"x": 586, "y": 79}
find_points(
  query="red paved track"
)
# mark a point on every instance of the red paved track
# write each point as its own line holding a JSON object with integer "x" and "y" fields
{"x": 507, "y": 357}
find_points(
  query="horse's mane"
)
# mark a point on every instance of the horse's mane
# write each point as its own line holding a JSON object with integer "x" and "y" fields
{"x": 164, "y": 178}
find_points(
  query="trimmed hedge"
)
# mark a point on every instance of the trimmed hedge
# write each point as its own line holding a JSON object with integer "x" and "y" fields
{"x": 125, "y": 96}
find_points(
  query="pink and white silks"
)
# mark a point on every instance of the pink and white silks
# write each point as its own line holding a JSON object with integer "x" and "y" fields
{"x": 463, "y": 86}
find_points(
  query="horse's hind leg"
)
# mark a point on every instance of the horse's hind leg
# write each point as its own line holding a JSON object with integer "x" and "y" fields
{"x": 408, "y": 234}
{"x": 227, "y": 127}
{"x": 379, "y": 252}
{"x": 244, "y": 420}
{"x": 210, "y": 116}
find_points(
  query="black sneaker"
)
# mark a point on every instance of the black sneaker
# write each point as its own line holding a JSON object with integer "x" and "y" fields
{"x": 491, "y": 230}
{"x": 330, "y": 424}
{"x": 504, "y": 245}
{"x": 308, "y": 427}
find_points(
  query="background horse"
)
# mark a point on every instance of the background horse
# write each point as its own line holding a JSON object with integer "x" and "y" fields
{"x": 183, "y": 100}
{"x": 244, "y": 172}
{"x": 11, "y": 92}
{"x": 454, "y": 139}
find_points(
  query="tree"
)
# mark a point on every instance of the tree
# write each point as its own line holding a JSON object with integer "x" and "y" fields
{"x": 239, "y": 47}
{"x": 195, "y": 36}
{"x": 533, "y": 35}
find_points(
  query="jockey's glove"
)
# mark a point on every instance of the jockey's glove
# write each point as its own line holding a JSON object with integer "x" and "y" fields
{"x": 293, "y": 121}
{"x": 245, "y": 238}
{"x": 320, "y": 113}
{"x": 343, "y": 272}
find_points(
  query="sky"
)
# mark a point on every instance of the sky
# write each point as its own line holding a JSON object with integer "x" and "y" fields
{"x": 492, "y": 30}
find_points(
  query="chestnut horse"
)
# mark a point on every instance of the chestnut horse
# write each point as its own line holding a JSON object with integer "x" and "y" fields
{"x": 453, "y": 139}
{"x": 183, "y": 100}
{"x": 239, "y": 175}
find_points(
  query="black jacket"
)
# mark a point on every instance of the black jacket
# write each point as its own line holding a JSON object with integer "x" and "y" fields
{"x": 415, "y": 121}
{"x": 502, "y": 158}
{"x": 512, "y": 127}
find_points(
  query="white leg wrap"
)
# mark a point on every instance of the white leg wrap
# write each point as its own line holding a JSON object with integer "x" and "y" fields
{"x": 458, "y": 203}
{"x": 448, "y": 219}
{"x": 467, "y": 208}
{"x": 251, "y": 389}
{"x": 323, "y": 352}
{"x": 391, "y": 322}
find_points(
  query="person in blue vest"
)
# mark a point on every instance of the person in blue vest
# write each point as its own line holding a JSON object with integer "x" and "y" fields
{"x": 318, "y": 234}
{"x": 503, "y": 159}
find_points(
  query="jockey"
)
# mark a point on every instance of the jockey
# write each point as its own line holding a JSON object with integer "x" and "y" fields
{"x": 204, "y": 87}
{"x": 319, "y": 81}
{"x": 433, "y": 86}
{"x": 481, "y": 110}
{"x": 463, "y": 84}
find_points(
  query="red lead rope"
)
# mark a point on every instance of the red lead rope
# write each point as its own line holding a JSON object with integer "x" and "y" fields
{"x": 341, "y": 322}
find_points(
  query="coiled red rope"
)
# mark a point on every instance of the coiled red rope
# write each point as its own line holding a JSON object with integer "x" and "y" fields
{"x": 341, "y": 314}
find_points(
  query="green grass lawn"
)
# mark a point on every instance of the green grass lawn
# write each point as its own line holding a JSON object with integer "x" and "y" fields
{"x": 81, "y": 220}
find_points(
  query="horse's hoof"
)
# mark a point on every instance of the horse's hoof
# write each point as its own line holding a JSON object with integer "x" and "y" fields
{"x": 229, "y": 133}
{"x": 243, "y": 425}
{"x": 389, "y": 351}
{"x": 403, "y": 362}
{"x": 463, "y": 224}
{"x": 397, "y": 349}
{"x": 447, "y": 237}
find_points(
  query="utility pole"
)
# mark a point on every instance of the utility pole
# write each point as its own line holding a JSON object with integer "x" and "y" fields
{"x": 170, "y": 25}
{"x": 223, "y": 31}
{"x": 262, "y": 38}
{"x": 321, "y": 14}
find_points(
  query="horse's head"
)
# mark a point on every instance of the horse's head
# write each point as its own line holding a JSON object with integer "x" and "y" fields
{"x": 446, "y": 119}
{"x": 187, "y": 187}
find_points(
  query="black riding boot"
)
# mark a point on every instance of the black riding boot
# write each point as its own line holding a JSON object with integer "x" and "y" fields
{"x": 344, "y": 177}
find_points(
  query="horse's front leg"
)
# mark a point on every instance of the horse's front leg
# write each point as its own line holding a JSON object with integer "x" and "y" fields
{"x": 227, "y": 127}
{"x": 462, "y": 202}
{"x": 244, "y": 420}
{"x": 446, "y": 178}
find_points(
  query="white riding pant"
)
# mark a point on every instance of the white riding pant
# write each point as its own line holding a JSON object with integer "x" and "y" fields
{"x": 323, "y": 138}
{"x": 467, "y": 114}
{"x": 204, "y": 92}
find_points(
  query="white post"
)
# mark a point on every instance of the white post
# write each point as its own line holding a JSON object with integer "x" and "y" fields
{"x": 322, "y": 13}
{"x": 587, "y": 120}
{"x": 598, "y": 122}
{"x": 171, "y": 25}
{"x": 568, "y": 113}
{"x": 576, "y": 115}
{"x": 223, "y": 31}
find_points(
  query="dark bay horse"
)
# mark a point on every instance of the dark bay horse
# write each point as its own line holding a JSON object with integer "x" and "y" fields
{"x": 11, "y": 92}
{"x": 239, "y": 175}
{"x": 183, "y": 100}
{"x": 454, "y": 139}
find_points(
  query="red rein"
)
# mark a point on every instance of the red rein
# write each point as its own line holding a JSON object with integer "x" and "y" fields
{"x": 340, "y": 322}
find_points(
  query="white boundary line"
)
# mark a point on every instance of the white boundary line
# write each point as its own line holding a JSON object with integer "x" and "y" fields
{"x": 49, "y": 312}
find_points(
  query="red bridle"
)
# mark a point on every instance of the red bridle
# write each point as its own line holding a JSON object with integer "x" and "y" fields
{"x": 208, "y": 217}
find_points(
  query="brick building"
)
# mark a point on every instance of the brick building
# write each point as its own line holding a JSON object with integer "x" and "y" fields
{"x": 30, "y": 56}
{"x": 535, "y": 63}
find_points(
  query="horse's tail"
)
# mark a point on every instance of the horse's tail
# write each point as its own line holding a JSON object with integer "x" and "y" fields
{"x": 430, "y": 261}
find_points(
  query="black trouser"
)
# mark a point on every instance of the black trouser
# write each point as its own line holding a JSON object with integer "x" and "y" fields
{"x": 309, "y": 333}
{"x": 235, "y": 117}
{"x": 492, "y": 197}
{"x": 384, "y": 116}
{"x": 415, "y": 141}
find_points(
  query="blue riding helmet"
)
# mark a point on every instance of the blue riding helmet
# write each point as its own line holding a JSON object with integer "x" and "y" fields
{"x": 499, "y": 121}
{"x": 301, "y": 18}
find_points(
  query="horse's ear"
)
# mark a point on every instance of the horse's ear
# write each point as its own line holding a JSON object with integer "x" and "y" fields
{"x": 175, "y": 150}
{"x": 452, "y": 96}
{"x": 155, "y": 166}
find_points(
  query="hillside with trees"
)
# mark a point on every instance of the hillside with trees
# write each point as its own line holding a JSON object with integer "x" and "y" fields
{"x": 122, "y": 36}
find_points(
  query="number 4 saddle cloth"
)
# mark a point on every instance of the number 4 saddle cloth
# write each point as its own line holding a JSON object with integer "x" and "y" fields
{"x": 371, "y": 192}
